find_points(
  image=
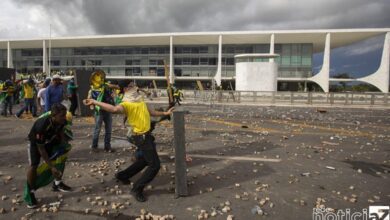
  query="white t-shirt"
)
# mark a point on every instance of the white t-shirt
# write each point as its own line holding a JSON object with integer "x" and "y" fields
{"x": 41, "y": 96}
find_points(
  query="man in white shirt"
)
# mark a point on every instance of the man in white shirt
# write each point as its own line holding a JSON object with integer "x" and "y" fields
{"x": 41, "y": 95}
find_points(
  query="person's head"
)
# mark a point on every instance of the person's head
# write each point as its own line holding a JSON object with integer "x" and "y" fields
{"x": 56, "y": 79}
{"x": 47, "y": 82}
{"x": 58, "y": 113}
{"x": 30, "y": 81}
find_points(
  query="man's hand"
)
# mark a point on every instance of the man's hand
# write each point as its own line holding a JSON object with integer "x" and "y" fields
{"x": 169, "y": 112}
{"x": 88, "y": 101}
{"x": 56, "y": 173}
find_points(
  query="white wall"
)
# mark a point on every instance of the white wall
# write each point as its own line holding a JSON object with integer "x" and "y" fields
{"x": 256, "y": 76}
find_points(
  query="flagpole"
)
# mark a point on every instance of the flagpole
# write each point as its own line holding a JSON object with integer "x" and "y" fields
{"x": 50, "y": 52}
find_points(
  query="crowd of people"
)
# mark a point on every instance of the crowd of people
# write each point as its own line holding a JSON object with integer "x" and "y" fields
{"x": 36, "y": 97}
{"x": 50, "y": 135}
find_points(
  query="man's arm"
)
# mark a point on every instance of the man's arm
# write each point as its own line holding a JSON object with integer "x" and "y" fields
{"x": 47, "y": 99}
{"x": 158, "y": 113}
{"x": 105, "y": 106}
{"x": 56, "y": 173}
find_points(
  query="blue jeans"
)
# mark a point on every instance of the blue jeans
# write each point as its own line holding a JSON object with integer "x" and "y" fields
{"x": 28, "y": 104}
{"x": 105, "y": 117}
{"x": 8, "y": 102}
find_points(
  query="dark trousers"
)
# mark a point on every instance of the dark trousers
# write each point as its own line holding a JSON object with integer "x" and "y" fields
{"x": 7, "y": 104}
{"x": 73, "y": 104}
{"x": 148, "y": 158}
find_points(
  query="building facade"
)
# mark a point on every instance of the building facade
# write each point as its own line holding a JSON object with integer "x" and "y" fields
{"x": 191, "y": 56}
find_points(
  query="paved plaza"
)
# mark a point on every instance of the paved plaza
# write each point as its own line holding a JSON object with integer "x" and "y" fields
{"x": 252, "y": 162}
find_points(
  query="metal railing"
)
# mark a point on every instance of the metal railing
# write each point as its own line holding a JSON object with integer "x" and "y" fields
{"x": 286, "y": 98}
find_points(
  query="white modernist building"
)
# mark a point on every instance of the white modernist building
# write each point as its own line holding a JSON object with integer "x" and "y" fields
{"x": 203, "y": 56}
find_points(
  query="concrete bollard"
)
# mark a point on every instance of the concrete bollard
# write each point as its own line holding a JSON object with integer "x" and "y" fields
{"x": 180, "y": 152}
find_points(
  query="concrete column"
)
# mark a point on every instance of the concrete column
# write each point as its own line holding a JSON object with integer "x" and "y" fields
{"x": 9, "y": 56}
{"x": 45, "y": 66}
{"x": 272, "y": 47}
{"x": 179, "y": 144}
{"x": 171, "y": 75}
{"x": 322, "y": 78}
{"x": 380, "y": 78}
{"x": 218, "y": 75}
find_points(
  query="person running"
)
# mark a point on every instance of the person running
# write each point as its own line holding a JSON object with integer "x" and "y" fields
{"x": 138, "y": 117}
{"x": 177, "y": 95}
{"x": 46, "y": 134}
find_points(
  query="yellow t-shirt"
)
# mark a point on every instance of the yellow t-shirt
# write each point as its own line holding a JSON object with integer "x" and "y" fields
{"x": 28, "y": 91}
{"x": 138, "y": 116}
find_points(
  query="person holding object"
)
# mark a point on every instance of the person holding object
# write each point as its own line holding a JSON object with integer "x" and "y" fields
{"x": 48, "y": 139}
{"x": 138, "y": 117}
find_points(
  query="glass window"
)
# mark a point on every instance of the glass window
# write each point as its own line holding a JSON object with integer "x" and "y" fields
{"x": 296, "y": 60}
{"x": 129, "y": 50}
{"x": 285, "y": 60}
{"x": 137, "y": 70}
{"x": 136, "y": 50}
{"x": 194, "y": 61}
{"x": 145, "y": 50}
{"x": 195, "y": 50}
{"x": 136, "y": 62}
{"x": 177, "y": 61}
{"x": 203, "y": 49}
{"x": 186, "y": 49}
{"x": 178, "y": 49}
{"x": 153, "y": 62}
{"x": 306, "y": 61}
{"x": 38, "y": 63}
{"x": 230, "y": 61}
{"x": 204, "y": 61}
{"x": 153, "y": 50}
{"x": 162, "y": 50}
{"x": 55, "y": 62}
{"x": 212, "y": 61}
{"x": 307, "y": 49}
{"x": 186, "y": 61}
{"x": 55, "y": 52}
{"x": 286, "y": 49}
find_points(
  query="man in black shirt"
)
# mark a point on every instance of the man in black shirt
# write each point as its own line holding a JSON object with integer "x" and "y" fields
{"x": 46, "y": 132}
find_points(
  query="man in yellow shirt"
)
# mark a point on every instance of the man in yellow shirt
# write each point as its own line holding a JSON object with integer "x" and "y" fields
{"x": 30, "y": 92}
{"x": 138, "y": 117}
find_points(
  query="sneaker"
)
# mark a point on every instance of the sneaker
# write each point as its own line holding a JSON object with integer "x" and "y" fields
{"x": 94, "y": 149}
{"x": 34, "y": 202}
{"x": 123, "y": 181}
{"x": 139, "y": 196}
{"x": 61, "y": 187}
{"x": 16, "y": 116}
